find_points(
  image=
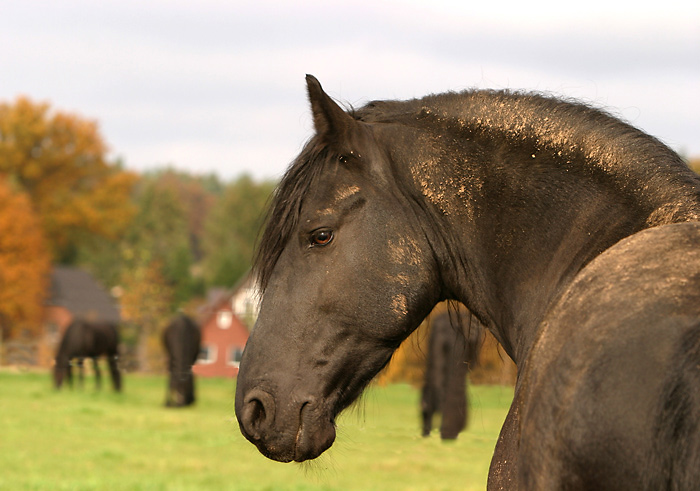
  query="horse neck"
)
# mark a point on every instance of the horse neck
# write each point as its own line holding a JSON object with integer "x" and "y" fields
{"x": 524, "y": 218}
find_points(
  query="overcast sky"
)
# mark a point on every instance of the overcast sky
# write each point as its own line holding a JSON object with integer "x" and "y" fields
{"x": 218, "y": 86}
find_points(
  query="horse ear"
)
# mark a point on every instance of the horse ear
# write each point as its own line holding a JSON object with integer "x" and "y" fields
{"x": 330, "y": 120}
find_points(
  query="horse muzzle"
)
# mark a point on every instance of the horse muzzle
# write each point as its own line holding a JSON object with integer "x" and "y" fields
{"x": 295, "y": 430}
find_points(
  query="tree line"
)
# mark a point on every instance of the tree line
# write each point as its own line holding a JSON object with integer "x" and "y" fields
{"x": 157, "y": 240}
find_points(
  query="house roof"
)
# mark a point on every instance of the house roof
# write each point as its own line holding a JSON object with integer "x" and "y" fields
{"x": 77, "y": 291}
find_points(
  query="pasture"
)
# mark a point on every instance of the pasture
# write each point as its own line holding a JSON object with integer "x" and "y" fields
{"x": 82, "y": 440}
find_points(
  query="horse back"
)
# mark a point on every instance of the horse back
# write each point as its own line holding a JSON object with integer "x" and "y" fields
{"x": 89, "y": 339}
{"x": 182, "y": 340}
{"x": 612, "y": 386}
{"x": 105, "y": 339}
{"x": 76, "y": 340}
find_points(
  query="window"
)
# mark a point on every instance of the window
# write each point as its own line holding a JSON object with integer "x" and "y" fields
{"x": 234, "y": 355}
{"x": 224, "y": 319}
{"x": 207, "y": 355}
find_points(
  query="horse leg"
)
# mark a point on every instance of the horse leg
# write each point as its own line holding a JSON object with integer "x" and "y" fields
{"x": 169, "y": 399}
{"x": 69, "y": 373}
{"x": 114, "y": 371}
{"x": 189, "y": 389}
{"x": 504, "y": 466}
{"x": 59, "y": 371}
{"x": 98, "y": 374}
{"x": 81, "y": 372}
{"x": 180, "y": 390}
{"x": 454, "y": 404}
{"x": 173, "y": 384}
{"x": 454, "y": 393}
{"x": 427, "y": 409}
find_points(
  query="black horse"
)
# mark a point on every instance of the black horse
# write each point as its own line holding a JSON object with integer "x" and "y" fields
{"x": 453, "y": 349}
{"x": 569, "y": 234}
{"x": 84, "y": 339}
{"x": 182, "y": 342}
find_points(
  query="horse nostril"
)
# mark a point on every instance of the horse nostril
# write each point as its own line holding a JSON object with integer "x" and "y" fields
{"x": 255, "y": 414}
{"x": 258, "y": 413}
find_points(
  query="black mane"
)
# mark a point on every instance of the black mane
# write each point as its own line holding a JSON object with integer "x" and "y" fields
{"x": 543, "y": 122}
{"x": 568, "y": 131}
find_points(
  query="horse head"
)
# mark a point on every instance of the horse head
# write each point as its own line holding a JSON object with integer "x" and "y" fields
{"x": 347, "y": 272}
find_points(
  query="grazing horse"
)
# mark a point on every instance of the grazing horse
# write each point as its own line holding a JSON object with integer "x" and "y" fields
{"x": 453, "y": 349}
{"x": 182, "y": 342}
{"x": 568, "y": 233}
{"x": 84, "y": 339}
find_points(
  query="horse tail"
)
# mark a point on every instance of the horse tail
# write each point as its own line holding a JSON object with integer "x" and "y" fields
{"x": 677, "y": 433}
{"x": 179, "y": 346}
{"x": 180, "y": 338}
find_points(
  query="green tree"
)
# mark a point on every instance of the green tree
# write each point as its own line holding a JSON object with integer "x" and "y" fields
{"x": 159, "y": 234}
{"x": 158, "y": 255}
{"x": 231, "y": 229}
{"x": 191, "y": 197}
{"x": 197, "y": 195}
{"x": 146, "y": 305}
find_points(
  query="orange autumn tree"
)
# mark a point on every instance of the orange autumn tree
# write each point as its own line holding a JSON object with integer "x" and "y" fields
{"x": 24, "y": 263}
{"x": 59, "y": 160}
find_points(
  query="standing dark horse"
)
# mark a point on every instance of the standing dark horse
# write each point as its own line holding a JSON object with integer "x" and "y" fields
{"x": 453, "y": 349}
{"x": 84, "y": 339}
{"x": 569, "y": 234}
{"x": 182, "y": 341}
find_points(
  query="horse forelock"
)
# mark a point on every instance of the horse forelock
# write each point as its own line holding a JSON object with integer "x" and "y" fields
{"x": 285, "y": 209}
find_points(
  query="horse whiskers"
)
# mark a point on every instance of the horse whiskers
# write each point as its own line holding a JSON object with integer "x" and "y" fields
{"x": 359, "y": 406}
{"x": 320, "y": 469}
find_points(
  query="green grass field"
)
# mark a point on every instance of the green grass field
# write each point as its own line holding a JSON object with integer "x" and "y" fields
{"x": 104, "y": 441}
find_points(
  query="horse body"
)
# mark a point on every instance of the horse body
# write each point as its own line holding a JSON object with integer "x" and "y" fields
{"x": 84, "y": 339}
{"x": 631, "y": 366}
{"x": 502, "y": 202}
{"x": 182, "y": 340}
{"x": 452, "y": 351}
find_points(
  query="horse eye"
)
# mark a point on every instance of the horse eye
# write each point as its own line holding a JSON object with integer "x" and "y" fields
{"x": 321, "y": 237}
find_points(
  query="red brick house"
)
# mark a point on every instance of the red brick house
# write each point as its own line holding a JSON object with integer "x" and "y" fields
{"x": 224, "y": 336}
